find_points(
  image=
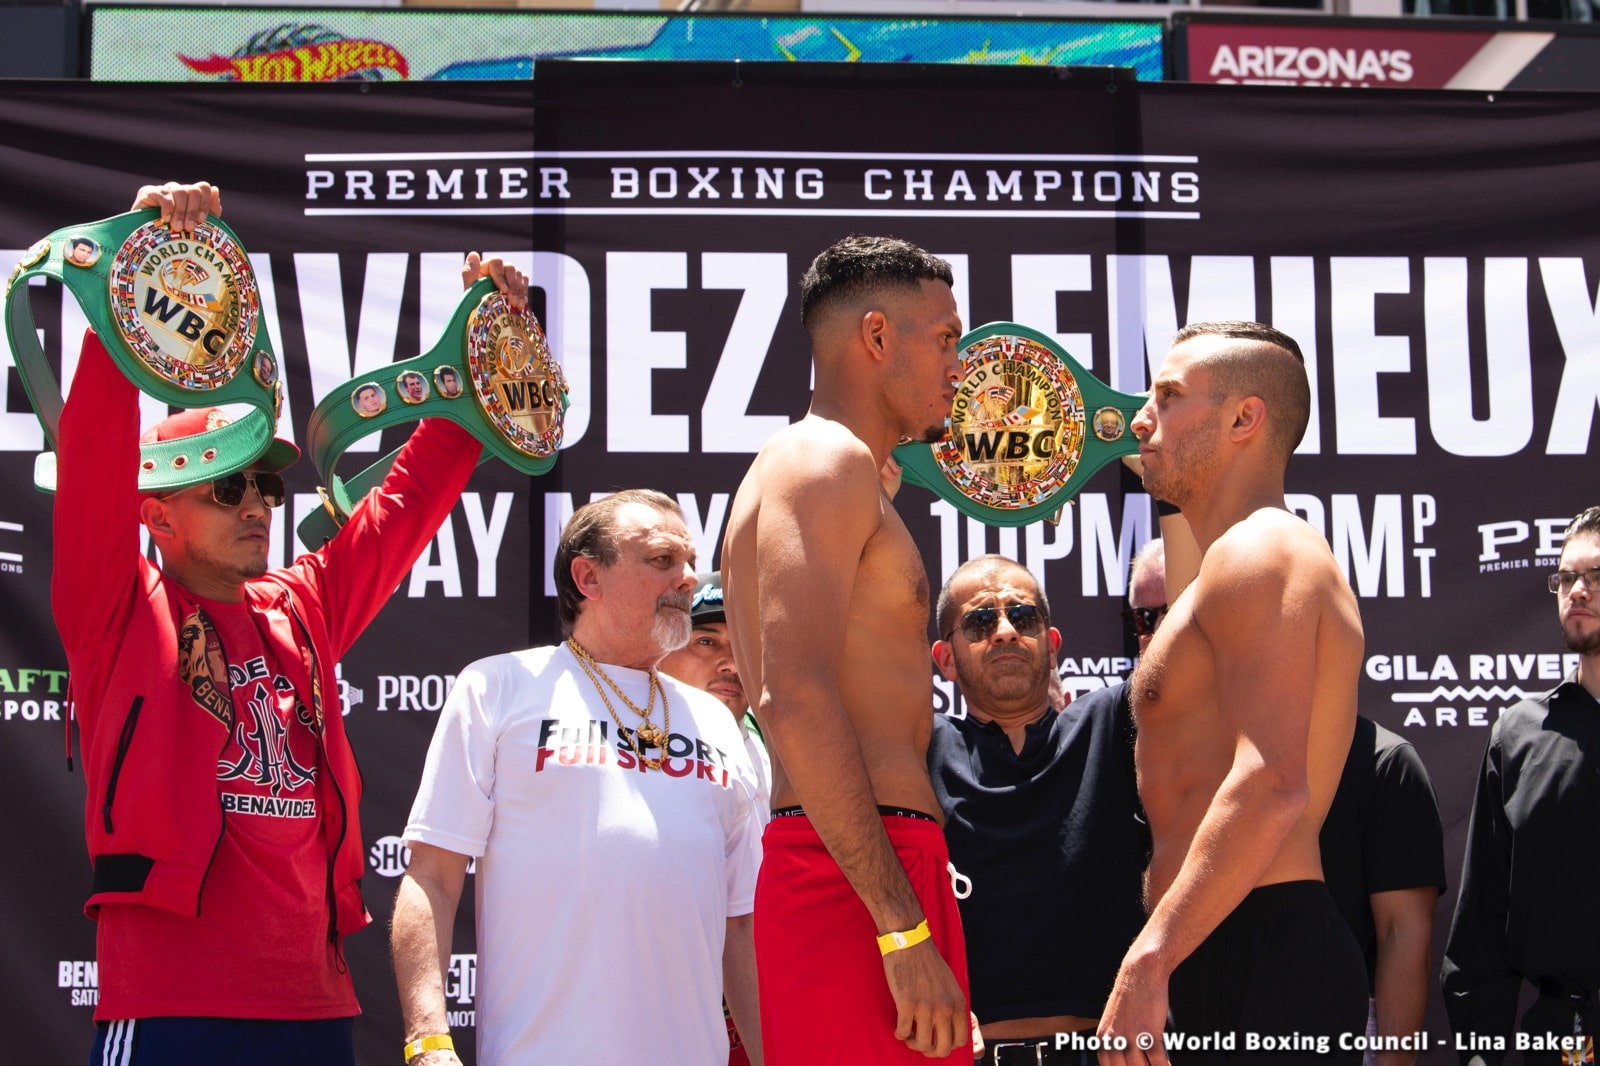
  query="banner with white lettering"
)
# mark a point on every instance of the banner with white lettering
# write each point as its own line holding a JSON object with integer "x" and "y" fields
{"x": 1417, "y": 244}
{"x": 1487, "y": 54}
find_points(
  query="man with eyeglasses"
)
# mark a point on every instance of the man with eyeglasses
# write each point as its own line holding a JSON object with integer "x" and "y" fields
{"x": 1245, "y": 703}
{"x": 1041, "y": 815}
{"x": 222, "y": 790}
{"x": 1530, "y": 882}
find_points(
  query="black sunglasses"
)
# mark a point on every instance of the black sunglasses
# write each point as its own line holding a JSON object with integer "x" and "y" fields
{"x": 229, "y": 491}
{"x": 1142, "y": 621}
{"x": 981, "y": 622}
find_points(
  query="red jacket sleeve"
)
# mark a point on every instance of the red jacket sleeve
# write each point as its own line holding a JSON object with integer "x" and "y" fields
{"x": 354, "y": 574}
{"x": 96, "y": 528}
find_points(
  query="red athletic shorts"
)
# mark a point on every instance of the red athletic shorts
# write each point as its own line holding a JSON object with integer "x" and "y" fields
{"x": 824, "y": 999}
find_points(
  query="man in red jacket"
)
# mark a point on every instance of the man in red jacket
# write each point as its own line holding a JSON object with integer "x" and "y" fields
{"x": 222, "y": 791}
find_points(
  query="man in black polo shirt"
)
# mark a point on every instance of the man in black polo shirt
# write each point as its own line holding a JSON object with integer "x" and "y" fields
{"x": 1530, "y": 884}
{"x": 1383, "y": 861}
{"x": 1041, "y": 816}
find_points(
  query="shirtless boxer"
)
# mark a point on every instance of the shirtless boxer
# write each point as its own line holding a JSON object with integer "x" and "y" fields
{"x": 1245, "y": 703}
{"x": 827, "y": 604}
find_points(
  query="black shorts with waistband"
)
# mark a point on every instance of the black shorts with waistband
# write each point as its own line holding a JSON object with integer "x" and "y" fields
{"x": 1282, "y": 975}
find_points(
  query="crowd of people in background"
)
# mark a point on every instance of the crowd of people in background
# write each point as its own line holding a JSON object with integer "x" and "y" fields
{"x": 720, "y": 822}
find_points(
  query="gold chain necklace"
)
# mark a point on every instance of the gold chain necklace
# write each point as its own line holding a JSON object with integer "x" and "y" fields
{"x": 652, "y": 735}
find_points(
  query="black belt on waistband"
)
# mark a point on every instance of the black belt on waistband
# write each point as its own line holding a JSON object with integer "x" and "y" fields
{"x": 1034, "y": 1051}
{"x": 899, "y": 812}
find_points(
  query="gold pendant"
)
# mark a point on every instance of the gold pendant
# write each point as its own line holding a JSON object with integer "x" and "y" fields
{"x": 652, "y": 736}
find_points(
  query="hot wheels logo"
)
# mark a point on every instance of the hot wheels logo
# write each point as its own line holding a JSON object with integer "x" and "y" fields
{"x": 303, "y": 53}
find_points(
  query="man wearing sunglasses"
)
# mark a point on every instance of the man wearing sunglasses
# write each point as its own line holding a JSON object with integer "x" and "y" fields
{"x": 1245, "y": 702}
{"x": 1147, "y": 593}
{"x": 222, "y": 790}
{"x": 1041, "y": 814}
{"x": 1530, "y": 882}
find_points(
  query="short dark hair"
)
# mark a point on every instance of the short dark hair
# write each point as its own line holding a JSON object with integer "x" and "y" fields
{"x": 1260, "y": 369}
{"x": 945, "y": 611}
{"x": 591, "y": 533}
{"x": 1586, "y": 523}
{"x": 857, "y": 266}
{"x": 80, "y": 242}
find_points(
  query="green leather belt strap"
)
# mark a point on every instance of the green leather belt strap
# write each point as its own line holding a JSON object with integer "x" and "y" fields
{"x": 1029, "y": 425}
{"x": 491, "y": 373}
{"x": 181, "y": 317}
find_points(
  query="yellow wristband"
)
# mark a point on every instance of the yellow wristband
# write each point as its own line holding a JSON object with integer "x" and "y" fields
{"x": 897, "y": 941}
{"x": 424, "y": 1044}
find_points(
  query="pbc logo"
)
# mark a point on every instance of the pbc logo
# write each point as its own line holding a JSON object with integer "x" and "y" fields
{"x": 1542, "y": 537}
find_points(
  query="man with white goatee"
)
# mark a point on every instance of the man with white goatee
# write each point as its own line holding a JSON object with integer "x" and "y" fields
{"x": 611, "y": 812}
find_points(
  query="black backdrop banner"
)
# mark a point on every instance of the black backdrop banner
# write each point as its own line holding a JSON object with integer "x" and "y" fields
{"x": 1430, "y": 251}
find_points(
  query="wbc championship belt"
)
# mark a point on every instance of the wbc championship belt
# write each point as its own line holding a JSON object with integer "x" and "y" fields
{"x": 181, "y": 317}
{"x": 1029, "y": 425}
{"x": 492, "y": 373}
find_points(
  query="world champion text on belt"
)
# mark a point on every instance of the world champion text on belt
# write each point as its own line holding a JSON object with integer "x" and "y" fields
{"x": 1028, "y": 427}
{"x": 492, "y": 373}
{"x": 181, "y": 317}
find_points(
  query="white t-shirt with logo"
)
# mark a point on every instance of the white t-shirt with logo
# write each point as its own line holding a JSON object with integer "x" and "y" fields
{"x": 756, "y": 748}
{"x": 602, "y": 891}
